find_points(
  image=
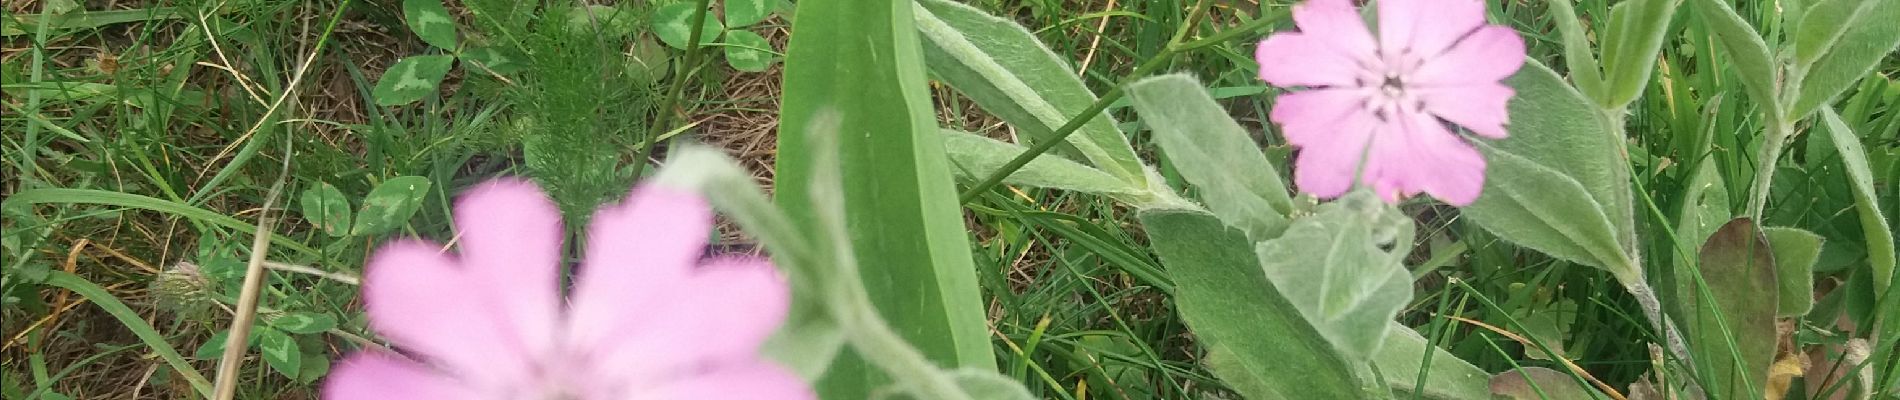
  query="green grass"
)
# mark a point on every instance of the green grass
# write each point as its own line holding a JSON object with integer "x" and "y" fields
{"x": 132, "y": 159}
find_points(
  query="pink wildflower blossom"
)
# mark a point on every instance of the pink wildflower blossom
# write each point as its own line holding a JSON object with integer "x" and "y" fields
{"x": 646, "y": 320}
{"x": 1388, "y": 99}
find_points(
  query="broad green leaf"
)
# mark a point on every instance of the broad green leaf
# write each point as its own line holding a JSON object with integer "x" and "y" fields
{"x": 1578, "y": 56}
{"x": 1004, "y": 69}
{"x": 430, "y": 21}
{"x": 1880, "y": 241}
{"x": 390, "y": 205}
{"x": 1746, "y": 52}
{"x": 1540, "y": 208}
{"x": 133, "y": 322}
{"x": 1257, "y": 340}
{"x": 326, "y": 208}
{"x": 1538, "y": 383}
{"x": 314, "y": 367}
{"x": 1637, "y": 30}
{"x": 742, "y": 13}
{"x": 976, "y": 157}
{"x": 495, "y": 59}
{"x": 1822, "y": 26}
{"x": 747, "y": 51}
{"x": 1341, "y": 268}
{"x": 1795, "y": 252}
{"x": 1859, "y": 50}
{"x": 1448, "y": 378}
{"x": 1731, "y": 323}
{"x": 213, "y": 347}
{"x": 1558, "y": 184}
{"x": 411, "y": 79}
{"x": 1214, "y": 153}
{"x": 280, "y": 351}
{"x": 899, "y": 202}
{"x": 808, "y": 340}
{"x": 673, "y": 23}
{"x": 302, "y": 323}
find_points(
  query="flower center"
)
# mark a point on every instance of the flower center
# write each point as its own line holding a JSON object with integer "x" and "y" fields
{"x": 1393, "y": 87}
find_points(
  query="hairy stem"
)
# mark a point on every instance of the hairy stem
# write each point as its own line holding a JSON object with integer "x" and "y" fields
{"x": 1652, "y": 309}
{"x": 1771, "y": 146}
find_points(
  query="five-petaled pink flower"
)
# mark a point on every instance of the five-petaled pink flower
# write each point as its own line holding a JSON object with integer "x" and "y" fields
{"x": 1387, "y": 100}
{"x": 646, "y": 319}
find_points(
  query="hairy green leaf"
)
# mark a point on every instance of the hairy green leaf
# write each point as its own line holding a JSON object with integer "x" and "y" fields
{"x": 1853, "y": 56}
{"x": 1214, "y": 153}
{"x": 1795, "y": 252}
{"x": 1637, "y": 29}
{"x": 1256, "y": 338}
{"x": 1401, "y": 360}
{"x": 1558, "y": 185}
{"x": 975, "y": 157}
{"x": 1004, "y": 69}
{"x": 1746, "y": 52}
{"x": 1822, "y": 25}
{"x": 1731, "y": 322}
{"x": 1880, "y": 241}
{"x": 1341, "y": 268}
{"x": 858, "y": 64}
{"x": 1578, "y": 57}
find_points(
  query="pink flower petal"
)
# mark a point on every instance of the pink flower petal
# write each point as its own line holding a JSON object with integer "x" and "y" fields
{"x": 1422, "y": 156}
{"x": 1424, "y": 28}
{"x": 1299, "y": 59}
{"x": 1482, "y": 108}
{"x": 510, "y": 235}
{"x": 369, "y": 375}
{"x": 1329, "y": 50}
{"x": 755, "y": 380}
{"x": 1338, "y": 23}
{"x": 639, "y": 254}
{"x": 1487, "y": 55}
{"x": 1327, "y": 168}
{"x": 421, "y": 300}
{"x": 723, "y": 312}
{"x": 1315, "y": 111}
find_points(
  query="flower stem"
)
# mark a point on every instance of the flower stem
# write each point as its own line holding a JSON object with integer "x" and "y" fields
{"x": 1771, "y": 146}
{"x": 688, "y": 68}
{"x": 1652, "y": 309}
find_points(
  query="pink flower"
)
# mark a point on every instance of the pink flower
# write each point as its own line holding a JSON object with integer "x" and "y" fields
{"x": 1433, "y": 62}
{"x": 646, "y": 318}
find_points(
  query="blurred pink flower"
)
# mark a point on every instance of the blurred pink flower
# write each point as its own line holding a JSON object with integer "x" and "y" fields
{"x": 645, "y": 320}
{"x": 1433, "y": 62}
